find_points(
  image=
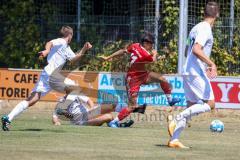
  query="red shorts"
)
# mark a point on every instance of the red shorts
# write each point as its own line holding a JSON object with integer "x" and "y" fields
{"x": 133, "y": 83}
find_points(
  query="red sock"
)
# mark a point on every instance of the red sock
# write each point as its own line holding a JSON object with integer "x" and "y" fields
{"x": 166, "y": 87}
{"x": 124, "y": 113}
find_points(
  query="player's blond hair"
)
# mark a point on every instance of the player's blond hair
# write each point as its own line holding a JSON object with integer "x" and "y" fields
{"x": 66, "y": 31}
{"x": 211, "y": 10}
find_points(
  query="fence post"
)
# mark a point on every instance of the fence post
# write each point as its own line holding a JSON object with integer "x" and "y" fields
{"x": 182, "y": 37}
{"x": 157, "y": 16}
{"x": 78, "y": 20}
{"x": 231, "y": 23}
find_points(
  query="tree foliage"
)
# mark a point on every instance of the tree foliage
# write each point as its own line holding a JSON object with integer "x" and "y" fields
{"x": 23, "y": 34}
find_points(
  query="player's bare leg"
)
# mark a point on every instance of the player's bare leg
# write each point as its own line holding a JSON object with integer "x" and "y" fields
{"x": 107, "y": 117}
{"x": 100, "y": 120}
{"x": 108, "y": 108}
{"x": 34, "y": 98}
{"x": 166, "y": 87}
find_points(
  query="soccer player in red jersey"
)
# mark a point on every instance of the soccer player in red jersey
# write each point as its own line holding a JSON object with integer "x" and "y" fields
{"x": 137, "y": 75}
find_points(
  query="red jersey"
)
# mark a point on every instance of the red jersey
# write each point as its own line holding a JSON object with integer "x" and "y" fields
{"x": 139, "y": 57}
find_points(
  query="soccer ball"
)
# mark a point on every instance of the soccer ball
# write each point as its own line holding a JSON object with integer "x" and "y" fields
{"x": 217, "y": 126}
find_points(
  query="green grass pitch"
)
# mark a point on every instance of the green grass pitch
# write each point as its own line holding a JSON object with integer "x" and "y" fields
{"x": 33, "y": 137}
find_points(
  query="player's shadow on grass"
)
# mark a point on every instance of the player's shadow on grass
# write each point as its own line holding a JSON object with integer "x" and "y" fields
{"x": 32, "y": 129}
{"x": 42, "y": 130}
{"x": 166, "y": 146}
{"x": 162, "y": 145}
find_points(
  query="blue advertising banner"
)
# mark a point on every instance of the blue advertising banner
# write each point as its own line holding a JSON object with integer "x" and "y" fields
{"x": 112, "y": 89}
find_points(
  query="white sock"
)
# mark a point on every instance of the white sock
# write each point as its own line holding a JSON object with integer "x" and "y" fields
{"x": 186, "y": 115}
{"x": 169, "y": 97}
{"x": 179, "y": 128}
{"x": 115, "y": 119}
{"x": 193, "y": 111}
{"x": 20, "y": 107}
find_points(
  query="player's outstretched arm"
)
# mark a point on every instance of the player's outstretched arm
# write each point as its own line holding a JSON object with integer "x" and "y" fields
{"x": 80, "y": 53}
{"x": 115, "y": 54}
{"x": 45, "y": 52}
{"x": 212, "y": 69}
{"x": 55, "y": 119}
{"x": 90, "y": 103}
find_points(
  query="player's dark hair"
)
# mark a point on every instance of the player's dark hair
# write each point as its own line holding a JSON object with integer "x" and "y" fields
{"x": 65, "y": 31}
{"x": 211, "y": 10}
{"x": 147, "y": 37}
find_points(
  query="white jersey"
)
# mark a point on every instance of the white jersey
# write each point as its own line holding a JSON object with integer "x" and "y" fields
{"x": 78, "y": 108}
{"x": 197, "y": 85}
{"x": 58, "y": 55}
{"x": 78, "y": 105}
{"x": 201, "y": 34}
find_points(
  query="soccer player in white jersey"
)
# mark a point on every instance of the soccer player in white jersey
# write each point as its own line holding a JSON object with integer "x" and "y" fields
{"x": 81, "y": 110}
{"x": 58, "y": 52}
{"x": 198, "y": 70}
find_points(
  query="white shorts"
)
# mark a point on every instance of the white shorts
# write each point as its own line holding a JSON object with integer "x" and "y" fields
{"x": 197, "y": 88}
{"x": 44, "y": 86}
{"x": 82, "y": 114}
